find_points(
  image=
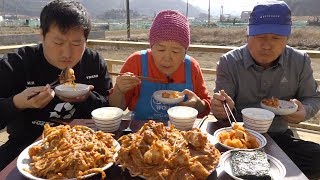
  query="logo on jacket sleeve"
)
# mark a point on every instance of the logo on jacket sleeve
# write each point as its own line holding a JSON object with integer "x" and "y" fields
{"x": 63, "y": 110}
{"x": 94, "y": 76}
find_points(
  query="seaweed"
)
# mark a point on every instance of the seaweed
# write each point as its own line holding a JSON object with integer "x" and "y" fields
{"x": 250, "y": 164}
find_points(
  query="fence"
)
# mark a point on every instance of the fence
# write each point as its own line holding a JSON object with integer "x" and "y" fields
{"x": 200, "y": 48}
{"x": 144, "y": 45}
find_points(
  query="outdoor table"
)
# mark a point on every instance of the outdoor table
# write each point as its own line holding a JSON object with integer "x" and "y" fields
{"x": 115, "y": 172}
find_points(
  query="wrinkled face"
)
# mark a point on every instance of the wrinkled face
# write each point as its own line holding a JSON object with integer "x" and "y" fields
{"x": 168, "y": 55}
{"x": 63, "y": 49}
{"x": 266, "y": 48}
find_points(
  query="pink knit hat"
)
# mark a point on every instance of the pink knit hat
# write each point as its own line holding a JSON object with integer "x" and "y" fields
{"x": 170, "y": 25}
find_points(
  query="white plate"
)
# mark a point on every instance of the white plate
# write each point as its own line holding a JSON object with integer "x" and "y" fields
{"x": 211, "y": 140}
{"x": 24, "y": 160}
{"x": 277, "y": 169}
{"x": 285, "y": 107}
{"x": 70, "y": 91}
{"x": 158, "y": 96}
{"x": 260, "y": 138}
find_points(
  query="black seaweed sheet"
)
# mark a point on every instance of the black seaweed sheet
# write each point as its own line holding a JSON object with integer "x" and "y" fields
{"x": 250, "y": 164}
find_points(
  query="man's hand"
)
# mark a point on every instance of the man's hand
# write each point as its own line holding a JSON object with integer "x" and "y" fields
{"x": 193, "y": 101}
{"x": 39, "y": 101}
{"x": 298, "y": 116}
{"x": 217, "y": 104}
{"x": 79, "y": 98}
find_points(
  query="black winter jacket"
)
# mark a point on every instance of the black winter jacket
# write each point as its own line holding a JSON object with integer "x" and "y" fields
{"x": 28, "y": 67}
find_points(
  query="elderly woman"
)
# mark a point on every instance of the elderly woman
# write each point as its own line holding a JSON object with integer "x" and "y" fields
{"x": 167, "y": 61}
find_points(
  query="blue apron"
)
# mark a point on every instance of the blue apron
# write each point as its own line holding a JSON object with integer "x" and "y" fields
{"x": 149, "y": 108}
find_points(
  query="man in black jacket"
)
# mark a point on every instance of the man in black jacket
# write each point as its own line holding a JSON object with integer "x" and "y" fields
{"x": 65, "y": 26}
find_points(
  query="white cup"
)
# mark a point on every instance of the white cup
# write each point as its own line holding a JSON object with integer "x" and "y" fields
{"x": 257, "y": 119}
{"x": 107, "y": 119}
{"x": 182, "y": 117}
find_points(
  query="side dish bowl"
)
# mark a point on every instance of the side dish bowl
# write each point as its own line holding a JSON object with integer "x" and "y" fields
{"x": 72, "y": 91}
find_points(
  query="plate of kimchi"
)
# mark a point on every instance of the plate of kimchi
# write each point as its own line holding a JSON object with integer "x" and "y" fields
{"x": 279, "y": 107}
{"x": 157, "y": 151}
{"x": 238, "y": 137}
{"x": 67, "y": 152}
{"x": 168, "y": 96}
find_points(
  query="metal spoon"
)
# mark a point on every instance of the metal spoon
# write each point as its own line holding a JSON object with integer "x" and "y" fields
{"x": 201, "y": 122}
{"x": 128, "y": 129}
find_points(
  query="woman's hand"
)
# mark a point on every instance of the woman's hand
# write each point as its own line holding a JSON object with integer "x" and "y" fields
{"x": 297, "y": 116}
{"x": 217, "y": 104}
{"x": 123, "y": 84}
{"x": 193, "y": 101}
{"x": 126, "y": 82}
{"x": 39, "y": 101}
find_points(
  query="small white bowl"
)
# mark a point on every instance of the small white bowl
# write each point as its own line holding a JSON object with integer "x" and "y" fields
{"x": 107, "y": 119}
{"x": 257, "y": 119}
{"x": 70, "y": 91}
{"x": 158, "y": 96}
{"x": 259, "y": 137}
{"x": 182, "y": 117}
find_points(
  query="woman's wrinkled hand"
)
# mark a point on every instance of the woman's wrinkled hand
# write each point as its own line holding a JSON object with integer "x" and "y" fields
{"x": 126, "y": 82}
{"x": 193, "y": 101}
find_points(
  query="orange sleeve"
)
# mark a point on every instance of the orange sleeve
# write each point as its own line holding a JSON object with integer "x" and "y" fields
{"x": 133, "y": 65}
{"x": 199, "y": 87}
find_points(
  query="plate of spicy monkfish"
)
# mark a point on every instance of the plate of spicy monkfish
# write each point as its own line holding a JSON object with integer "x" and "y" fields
{"x": 67, "y": 152}
{"x": 160, "y": 152}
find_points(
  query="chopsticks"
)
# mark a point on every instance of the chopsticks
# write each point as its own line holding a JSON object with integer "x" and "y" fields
{"x": 52, "y": 86}
{"x": 141, "y": 77}
{"x": 201, "y": 122}
{"x": 228, "y": 112}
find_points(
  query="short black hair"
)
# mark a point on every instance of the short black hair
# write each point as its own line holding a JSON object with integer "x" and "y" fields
{"x": 65, "y": 15}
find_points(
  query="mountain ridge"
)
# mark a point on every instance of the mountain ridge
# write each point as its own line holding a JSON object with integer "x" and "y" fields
{"x": 98, "y": 7}
{"x": 144, "y": 7}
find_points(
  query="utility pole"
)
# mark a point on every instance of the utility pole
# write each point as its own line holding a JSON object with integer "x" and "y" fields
{"x": 128, "y": 19}
{"x": 16, "y": 9}
{"x": 3, "y": 10}
{"x": 209, "y": 15}
{"x": 187, "y": 8}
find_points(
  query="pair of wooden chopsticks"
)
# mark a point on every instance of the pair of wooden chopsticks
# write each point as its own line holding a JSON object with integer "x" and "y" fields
{"x": 228, "y": 112}
{"x": 141, "y": 77}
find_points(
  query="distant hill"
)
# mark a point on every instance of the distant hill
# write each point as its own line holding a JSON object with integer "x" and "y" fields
{"x": 99, "y": 7}
{"x": 304, "y": 7}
